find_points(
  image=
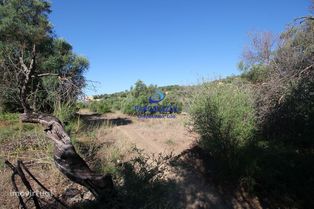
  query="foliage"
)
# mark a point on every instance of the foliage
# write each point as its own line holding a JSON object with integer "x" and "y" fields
{"x": 100, "y": 107}
{"x": 27, "y": 41}
{"x": 224, "y": 116}
{"x": 9, "y": 116}
{"x": 286, "y": 119}
{"x": 257, "y": 57}
{"x": 255, "y": 74}
{"x": 139, "y": 181}
{"x": 287, "y": 93}
{"x": 65, "y": 112}
{"x": 270, "y": 154}
{"x": 129, "y": 103}
{"x": 139, "y": 96}
{"x": 171, "y": 99}
{"x": 142, "y": 184}
{"x": 81, "y": 105}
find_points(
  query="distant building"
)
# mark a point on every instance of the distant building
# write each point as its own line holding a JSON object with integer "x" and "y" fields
{"x": 91, "y": 99}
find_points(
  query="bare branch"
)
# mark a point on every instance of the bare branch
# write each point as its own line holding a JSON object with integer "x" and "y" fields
{"x": 45, "y": 74}
{"x": 304, "y": 18}
{"x": 66, "y": 158}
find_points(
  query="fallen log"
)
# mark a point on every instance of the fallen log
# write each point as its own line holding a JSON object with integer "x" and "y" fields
{"x": 67, "y": 160}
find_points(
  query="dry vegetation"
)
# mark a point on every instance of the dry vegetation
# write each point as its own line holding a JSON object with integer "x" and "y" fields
{"x": 144, "y": 177}
{"x": 244, "y": 142}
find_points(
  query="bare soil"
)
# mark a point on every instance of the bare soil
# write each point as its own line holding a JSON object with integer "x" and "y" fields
{"x": 159, "y": 135}
{"x": 155, "y": 135}
{"x": 172, "y": 135}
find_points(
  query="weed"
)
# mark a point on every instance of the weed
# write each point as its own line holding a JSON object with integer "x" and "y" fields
{"x": 170, "y": 142}
{"x": 9, "y": 116}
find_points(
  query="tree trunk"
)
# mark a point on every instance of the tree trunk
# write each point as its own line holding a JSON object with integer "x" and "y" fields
{"x": 66, "y": 158}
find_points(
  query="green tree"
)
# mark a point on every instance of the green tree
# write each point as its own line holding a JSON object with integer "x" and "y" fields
{"x": 35, "y": 63}
{"x": 139, "y": 89}
{"x": 32, "y": 56}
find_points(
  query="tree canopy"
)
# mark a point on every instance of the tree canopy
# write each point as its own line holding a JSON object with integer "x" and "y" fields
{"x": 27, "y": 43}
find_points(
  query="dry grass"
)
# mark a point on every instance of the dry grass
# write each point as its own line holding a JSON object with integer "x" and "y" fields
{"x": 27, "y": 143}
{"x": 105, "y": 147}
{"x": 142, "y": 179}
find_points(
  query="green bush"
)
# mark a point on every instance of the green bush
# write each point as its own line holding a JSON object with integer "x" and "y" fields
{"x": 115, "y": 103}
{"x": 100, "y": 107}
{"x": 9, "y": 116}
{"x": 139, "y": 97}
{"x": 128, "y": 105}
{"x": 9, "y": 101}
{"x": 81, "y": 105}
{"x": 172, "y": 100}
{"x": 256, "y": 73}
{"x": 223, "y": 114}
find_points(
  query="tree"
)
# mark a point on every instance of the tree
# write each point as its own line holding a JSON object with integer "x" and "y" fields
{"x": 257, "y": 56}
{"x": 286, "y": 97}
{"x": 28, "y": 44}
{"x": 33, "y": 60}
{"x": 140, "y": 88}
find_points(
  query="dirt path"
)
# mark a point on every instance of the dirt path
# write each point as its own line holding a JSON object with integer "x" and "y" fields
{"x": 155, "y": 135}
{"x": 171, "y": 135}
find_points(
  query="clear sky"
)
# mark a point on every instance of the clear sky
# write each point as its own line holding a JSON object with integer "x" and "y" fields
{"x": 165, "y": 42}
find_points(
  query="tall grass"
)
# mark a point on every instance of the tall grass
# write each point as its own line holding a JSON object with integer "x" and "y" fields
{"x": 65, "y": 111}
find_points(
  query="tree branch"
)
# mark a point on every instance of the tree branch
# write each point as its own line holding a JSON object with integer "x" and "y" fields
{"x": 66, "y": 158}
{"x": 45, "y": 74}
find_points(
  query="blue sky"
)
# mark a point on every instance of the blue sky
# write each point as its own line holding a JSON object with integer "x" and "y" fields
{"x": 165, "y": 42}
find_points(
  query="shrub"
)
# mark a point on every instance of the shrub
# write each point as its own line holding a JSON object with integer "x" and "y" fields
{"x": 256, "y": 74}
{"x": 65, "y": 111}
{"x": 81, "y": 105}
{"x": 128, "y": 105}
{"x": 173, "y": 101}
{"x": 286, "y": 120}
{"x": 224, "y": 116}
{"x": 139, "y": 97}
{"x": 115, "y": 103}
{"x": 285, "y": 101}
{"x": 9, "y": 116}
{"x": 142, "y": 183}
{"x": 9, "y": 101}
{"x": 100, "y": 107}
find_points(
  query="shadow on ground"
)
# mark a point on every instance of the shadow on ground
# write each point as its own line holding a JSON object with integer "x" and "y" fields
{"x": 164, "y": 182}
{"x": 93, "y": 120}
{"x": 185, "y": 181}
{"x": 140, "y": 183}
{"x": 199, "y": 185}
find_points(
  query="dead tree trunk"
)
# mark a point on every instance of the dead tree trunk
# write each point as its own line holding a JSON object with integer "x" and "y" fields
{"x": 66, "y": 158}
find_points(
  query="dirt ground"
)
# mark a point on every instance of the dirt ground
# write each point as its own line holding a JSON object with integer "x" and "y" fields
{"x": 153, "y": 136}
{"x": 173, "y": 135}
